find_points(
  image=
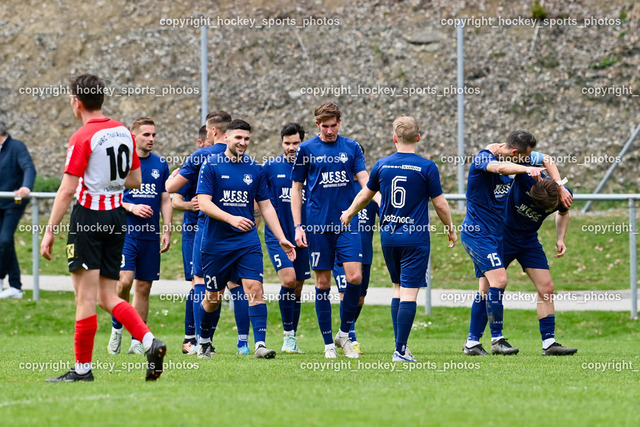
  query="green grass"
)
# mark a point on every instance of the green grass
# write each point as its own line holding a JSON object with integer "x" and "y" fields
{"x": 447, "y": 388}
{"x": 594, "y": 261}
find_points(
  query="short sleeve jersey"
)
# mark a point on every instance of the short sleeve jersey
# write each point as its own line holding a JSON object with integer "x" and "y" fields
{"x": 278, "y": 177}
{"x": 101, "y": 153}
{"x": 487, "y": 195}
{"x": 366, "y": 226}
{"x": 406, "y": 182}
{"x": 522, "y": 216}
{"x": 154, "y": 174}
{"x": 233, "y": 187}
{"x": 328, "y": 169}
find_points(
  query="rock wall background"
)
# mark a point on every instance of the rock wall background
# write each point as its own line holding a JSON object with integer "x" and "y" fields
{"x": 516, "y": 79}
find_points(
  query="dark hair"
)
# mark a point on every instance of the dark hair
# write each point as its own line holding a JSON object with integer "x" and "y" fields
{"x": 545, "y": 194}
{"x": 202, "y": 133}
{"x": 327, "y": 111}
{"x": 292, "y": 129}
{"x": 3, "y": 128}
{"x": 238, "y": 124}
{"x": 89, "y": 89}
{"x": 521, "y": 140}
{"x": 218, "y": 120}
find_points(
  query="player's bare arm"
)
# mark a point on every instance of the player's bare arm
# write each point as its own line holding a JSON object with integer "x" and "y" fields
{"x": 134, "y": 179}
{"x": 208, "y": 207}
{"x": 562, "y": 222}
{"x": 361, "y": 200}
{"x": 63, "y": 199}
{"x": 175, "y": 181}
{"x": 166, "y": 210}
{"x": 296, "y": 211}
{"x": 271, "y": 218}
{"x": 179, "y": 203}
{"x": 444, "y": 213}
{"x": 566, "y": 198}
{"x": 509, "y": 168}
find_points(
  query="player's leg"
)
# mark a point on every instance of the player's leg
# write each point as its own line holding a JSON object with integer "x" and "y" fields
{"x": 286, "y": 303}
{"x": 241, "y": 314}
{"x": 478, "y": 322}
{"x": 303, "y": 272}
{"x": 541, "y": 278}
{"x": 141, "y": 292}
{"x": 349, "y": 253}
{"x": 495, "y": 311}
{"x": 123, "y": 287}
{"x": 209, "y": 313}
{"x": 198, "y": 276}
{"x": 364, "y": 287}
{"x": 189, "y": 343}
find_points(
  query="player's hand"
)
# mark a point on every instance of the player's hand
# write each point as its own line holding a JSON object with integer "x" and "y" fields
{"x": 47, "y": 244}
{"x": 241, "y": 223}
{"x": 289, "y": 249}
{"x": 301, "y": 237}
{"x": 23, "y": 192}
{"x": 165, "y": 242}
{"x": 143, "y": 211}
{"x": 453, "y": 238}
{"x": 560, "y": 248}
{"x": 535, "y": 172}
{"x": 345, "y": 218}
{"x": 174, "y": 173}
{"x": 566, "y": 198}
{"x": 195, "y": 206}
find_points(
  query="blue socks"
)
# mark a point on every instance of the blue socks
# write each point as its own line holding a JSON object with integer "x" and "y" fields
{"x": 547, "y": 327}
{"x": 349, "y": 306}
{"x": 258, "y": 316}
{"x": 115, "y": 324}
{"x": 189, "y": 325}
{"x": 478, "y": 318}
{"x": 395, "y": 304}
{"x": 208, "y": 323}
{"x": 323, "y": 311}
{"x": 198, "y": 296}
{"x": 406, "y": 314}
{"x": 296, "y": 313}
{"x": 287, "y": 303}
{"x": 495, "y": 311}
{"x": 241, "y": 313}
{"x": 352, "y": 332}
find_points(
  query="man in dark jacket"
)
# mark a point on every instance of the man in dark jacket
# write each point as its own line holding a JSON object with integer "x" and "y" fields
{"x": 17, "y": 174}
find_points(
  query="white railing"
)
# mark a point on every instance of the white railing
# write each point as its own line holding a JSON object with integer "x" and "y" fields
{"x": 633, "y": 233}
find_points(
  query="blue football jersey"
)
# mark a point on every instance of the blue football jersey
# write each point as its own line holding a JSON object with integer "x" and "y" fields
{"x": 329, "y": 170}
{"x": 487, "y": 195}
{"x": 188, "y": 192}
{"x": 233, "y": 187}
{"x": 155, "y": 172}
{"x": 406, "y": 182}
{"x": 366, "y": 224}
{"x": 278, "y": 176}
{"x": 522, "y": 216}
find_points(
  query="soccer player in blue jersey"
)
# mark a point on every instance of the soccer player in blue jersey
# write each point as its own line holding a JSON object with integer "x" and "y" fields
{"x": 406, "y": 182}
{"x": 229, "y": 185}
{"x": 481, "y": 234}
{"x": 292, "y": 275}
{"x": 216, "y": 128}
{"x": 328, "y": 163}
{"x": 529, "y": 203}
{"x": 366, "y": 220}
{"x": 143, "y": 244}
{"x": 184, "y": 200}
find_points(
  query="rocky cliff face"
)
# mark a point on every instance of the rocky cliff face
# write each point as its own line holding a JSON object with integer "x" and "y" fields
{"x": 574, "y": 84}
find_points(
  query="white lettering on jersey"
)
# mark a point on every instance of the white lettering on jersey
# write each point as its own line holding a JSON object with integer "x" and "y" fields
{"x": 398, "y": 219}
{"x": 234, "y": 196}
{"x": 285, "y": 194}
{"x": 334, "y": 177}
{"x": 501, "y": 190}
{"x": 528, "y": 212}
{"x": 145, "y": 190}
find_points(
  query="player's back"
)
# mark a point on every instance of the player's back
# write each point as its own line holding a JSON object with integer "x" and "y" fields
{"x": 406, "y": 182}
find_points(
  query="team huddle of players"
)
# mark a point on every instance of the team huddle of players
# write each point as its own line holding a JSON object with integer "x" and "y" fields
{"x": 319, "y": 204}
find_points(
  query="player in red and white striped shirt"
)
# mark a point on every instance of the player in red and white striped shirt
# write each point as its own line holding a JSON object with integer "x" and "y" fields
{"x": 101, "y": 162}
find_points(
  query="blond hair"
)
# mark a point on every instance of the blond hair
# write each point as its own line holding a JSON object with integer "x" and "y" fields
{"x": 141, "y": 121}
{"x": 406, "y": 130}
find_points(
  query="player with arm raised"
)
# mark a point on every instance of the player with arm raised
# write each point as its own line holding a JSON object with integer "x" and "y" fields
{"x": 328, "y": 164}
{"x": 292, "y": 274}
{"x": 406, "y": 182}
{"x": 229, "y": 184}
{"x": 101, "y": 162}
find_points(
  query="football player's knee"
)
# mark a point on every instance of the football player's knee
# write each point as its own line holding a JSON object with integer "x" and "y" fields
{"x": 546, "y": 288}
{"x": 355, "y": 278}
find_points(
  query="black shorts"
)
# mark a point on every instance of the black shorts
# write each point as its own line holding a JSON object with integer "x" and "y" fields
{"x": 96, "y": 239}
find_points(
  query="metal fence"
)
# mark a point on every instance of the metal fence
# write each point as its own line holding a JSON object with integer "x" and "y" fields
{"x": 631, "y": 199}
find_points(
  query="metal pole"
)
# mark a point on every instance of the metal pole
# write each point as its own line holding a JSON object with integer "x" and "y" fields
{"x": 460, "y": 115}
{"x": 427, "y": 304}
{"x": 35, "y": 248}
{"x": 204, "y": 79}
{"x": 613, "y": 167}
{"x": 633, "y": 259}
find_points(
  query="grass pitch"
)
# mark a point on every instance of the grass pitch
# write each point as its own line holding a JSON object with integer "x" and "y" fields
{"x": 598, "y": 385}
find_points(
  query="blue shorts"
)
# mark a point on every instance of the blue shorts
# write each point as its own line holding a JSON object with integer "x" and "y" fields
{"x": 341, "y": 278}
{"x": 141, "y": 257}
{"x": 187, "y": 253}
{"x": 485, "y": 252}
{"x": 528, "y": 252}
{"x": 407, "y": 265}
{"x": 221, "y": 267}
{"x": 279, "y": 259}
{"x": 196, "y": 258}
{"x": 326, "y": 249}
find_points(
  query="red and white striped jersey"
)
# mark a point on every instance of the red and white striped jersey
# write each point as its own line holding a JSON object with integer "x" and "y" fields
{"x": 101, "y": 153}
